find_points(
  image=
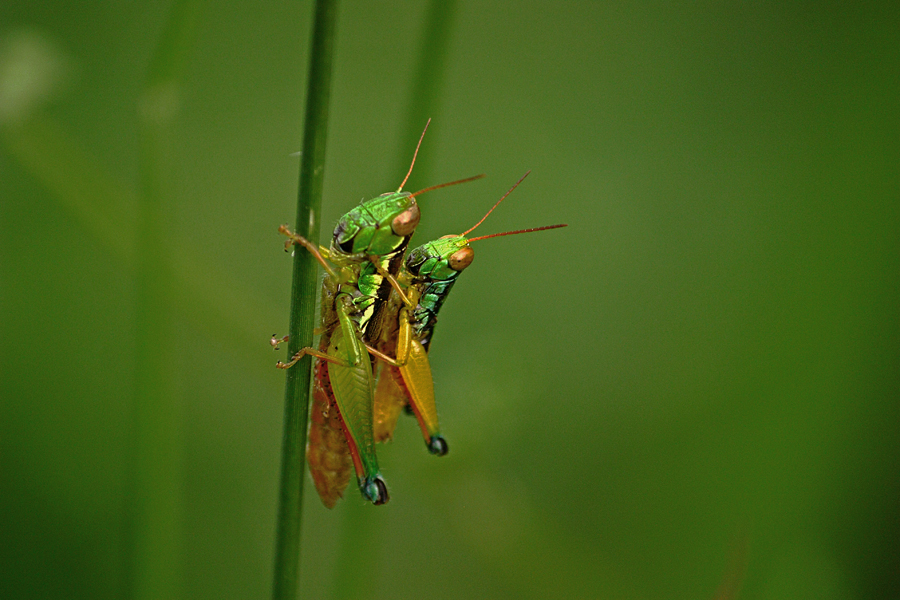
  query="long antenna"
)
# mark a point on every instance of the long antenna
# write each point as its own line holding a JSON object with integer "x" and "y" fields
{"x": 415, "y": 154}
{"x": 442, "y": 185}
{"x": 484, "y": 237}
{"x": 463, "y": 234}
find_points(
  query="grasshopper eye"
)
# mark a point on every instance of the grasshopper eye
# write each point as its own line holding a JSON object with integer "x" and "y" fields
{"x": 346, "y": 246}
{"x": 461, "y": 259}
{"x": 405, "y": 223}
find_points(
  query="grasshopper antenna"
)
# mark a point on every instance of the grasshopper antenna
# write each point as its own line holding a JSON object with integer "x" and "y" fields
{"x": 415, "y": 154}
{"x": 493, "y": 235}
{"x": 434, "y": 187}
{"x": 443, "y": 185}
{"x": 463, "y": 234}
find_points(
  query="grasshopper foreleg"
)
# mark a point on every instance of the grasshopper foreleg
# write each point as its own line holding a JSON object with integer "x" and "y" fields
{"x": 312, "y": 248}
{"x": 311, "y": 352}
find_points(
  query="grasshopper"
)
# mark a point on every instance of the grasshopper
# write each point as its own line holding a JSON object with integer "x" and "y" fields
{"x": 429, "y": 274}
{"x": 367, "y": 246}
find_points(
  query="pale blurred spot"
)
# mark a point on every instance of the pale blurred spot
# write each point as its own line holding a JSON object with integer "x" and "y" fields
{"x": 160, "y": 103}
{"x": 32, "y": 69}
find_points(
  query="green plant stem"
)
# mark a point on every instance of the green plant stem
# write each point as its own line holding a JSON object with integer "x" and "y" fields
{"x": 303, "y": 305}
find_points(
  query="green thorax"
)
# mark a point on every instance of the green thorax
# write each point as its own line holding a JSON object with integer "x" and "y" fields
{"x": 430, "y": 269}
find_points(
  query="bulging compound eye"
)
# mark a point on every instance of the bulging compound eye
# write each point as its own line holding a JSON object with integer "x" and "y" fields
{"x": 346, "y": 246}
{"x": 461, "y": 259}
{"x": 405, "y": 223}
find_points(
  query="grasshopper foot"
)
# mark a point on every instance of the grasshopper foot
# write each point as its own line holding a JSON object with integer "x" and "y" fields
{"x": 437, "y": 445}
{"x": 374, "y": 490}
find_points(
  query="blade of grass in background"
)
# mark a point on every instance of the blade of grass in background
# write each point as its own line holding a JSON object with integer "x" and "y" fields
{"x": 156, "y": 506}
{"x": 303, "y": 304}
{"x": 425, "y": 91}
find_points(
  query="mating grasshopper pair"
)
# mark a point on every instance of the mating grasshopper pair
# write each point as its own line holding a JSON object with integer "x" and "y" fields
{"x": 378, "y": 315}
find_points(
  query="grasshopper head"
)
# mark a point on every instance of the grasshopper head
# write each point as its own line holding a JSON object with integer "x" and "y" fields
{"x": 377, "y": 226}
{"x": 442, "y": 259}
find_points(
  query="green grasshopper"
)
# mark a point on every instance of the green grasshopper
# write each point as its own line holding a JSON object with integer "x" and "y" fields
{"x": 367, "y": 244}
{"x": 429, "y": 274}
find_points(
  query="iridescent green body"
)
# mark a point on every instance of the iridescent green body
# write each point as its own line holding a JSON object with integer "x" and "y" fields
{"x": 362, "y": 263}
{"x": 430, "y": 270}
{"x": 368, "y": 243}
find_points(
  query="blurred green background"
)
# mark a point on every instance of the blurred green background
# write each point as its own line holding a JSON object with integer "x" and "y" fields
{"x": 692, "y": 390}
